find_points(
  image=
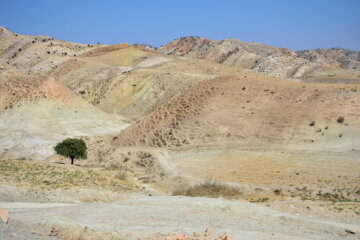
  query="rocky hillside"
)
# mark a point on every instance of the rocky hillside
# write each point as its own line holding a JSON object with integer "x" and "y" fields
{"x": 332, "y": 64}
{"x": 37, "y": 54}
{"x": 122, "y": 79}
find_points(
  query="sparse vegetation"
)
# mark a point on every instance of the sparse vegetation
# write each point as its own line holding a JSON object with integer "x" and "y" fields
{"x": 114, "y": 165}
{"x": 51, "y": 177}
{"x": 264, "y": 199}
{"x": 208, "y": 189}
{"x": 122, "y": 175}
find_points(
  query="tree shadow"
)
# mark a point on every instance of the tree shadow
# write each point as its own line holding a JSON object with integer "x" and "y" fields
{"x": 59, "y": 162}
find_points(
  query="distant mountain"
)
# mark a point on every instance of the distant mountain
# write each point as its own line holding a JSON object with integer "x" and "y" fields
{"x": 268, "y": 60}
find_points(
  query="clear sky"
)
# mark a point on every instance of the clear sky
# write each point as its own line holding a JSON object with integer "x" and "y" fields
{"x": 295, "y": 24}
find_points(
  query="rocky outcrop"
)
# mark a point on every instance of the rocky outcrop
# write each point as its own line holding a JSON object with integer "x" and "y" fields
{"x": 4, "y": 215}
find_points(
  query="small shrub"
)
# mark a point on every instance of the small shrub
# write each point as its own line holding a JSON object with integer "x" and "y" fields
{"x": 114, "y": 165}
{"x": 82, "y": 92}
{"x": 277, "y": 191}
{"x": 265, "y": 199}
{"x": 121, "y": 175}
{"x": 340, "y": 119}
{"x": 312, "y": 124}
{"x": 208, "y": 189}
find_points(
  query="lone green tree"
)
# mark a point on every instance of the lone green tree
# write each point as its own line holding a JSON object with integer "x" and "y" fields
{"x": 72, "y": 148}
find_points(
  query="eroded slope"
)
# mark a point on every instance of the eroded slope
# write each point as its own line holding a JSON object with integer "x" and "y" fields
{"x": 337, "y": 65}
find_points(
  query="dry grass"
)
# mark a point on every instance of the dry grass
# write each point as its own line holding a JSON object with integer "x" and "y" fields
{"x": 121, "y": 175}
{"x": 208, "y": 189}
{"x": 46, "y": 176}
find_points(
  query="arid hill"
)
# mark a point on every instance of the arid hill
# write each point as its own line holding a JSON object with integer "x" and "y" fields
{"x": 36, "y": 112}
{"x": 177, "y": 102}
{"x": 312, "y": 65}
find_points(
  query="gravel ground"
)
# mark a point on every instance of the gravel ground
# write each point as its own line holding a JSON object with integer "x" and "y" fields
{"x": 160, "y": 215}
{"x": 15, "y": 230}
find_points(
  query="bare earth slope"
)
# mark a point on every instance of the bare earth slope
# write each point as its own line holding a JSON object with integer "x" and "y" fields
{"x": 38, "y": 112}
{"x": 313, "y": 65}
{"x": 283, "y": 126}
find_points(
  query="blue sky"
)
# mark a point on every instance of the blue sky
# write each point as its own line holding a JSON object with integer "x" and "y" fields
{"x": 295, "y": 24}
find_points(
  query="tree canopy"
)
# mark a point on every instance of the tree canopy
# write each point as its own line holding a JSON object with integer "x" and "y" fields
{"x": 72, "y": 148}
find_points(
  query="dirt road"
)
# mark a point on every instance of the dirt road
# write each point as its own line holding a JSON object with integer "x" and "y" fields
{"x": 156, "y": 216}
